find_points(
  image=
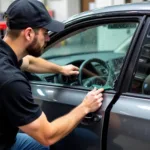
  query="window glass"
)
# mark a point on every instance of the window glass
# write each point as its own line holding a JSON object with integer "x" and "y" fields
{"x": 111, "y": 37}
{"x": 98, "y": 51}
{"x": 141, "y": 80}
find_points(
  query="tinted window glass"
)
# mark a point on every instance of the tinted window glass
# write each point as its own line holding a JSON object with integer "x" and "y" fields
{"x": 141, "y": 80}
{"x": 99, "y": 52}
{"x": 112, "y": 37}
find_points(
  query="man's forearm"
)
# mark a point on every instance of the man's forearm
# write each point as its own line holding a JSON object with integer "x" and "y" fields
{"x": 39, "y": 65}
{"x": 64, "y": 125}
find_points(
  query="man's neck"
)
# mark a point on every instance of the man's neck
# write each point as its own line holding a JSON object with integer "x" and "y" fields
{"x": 17, "y": 46}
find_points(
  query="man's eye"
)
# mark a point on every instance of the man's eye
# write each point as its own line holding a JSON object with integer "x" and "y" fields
{"x": 45, "y": 33}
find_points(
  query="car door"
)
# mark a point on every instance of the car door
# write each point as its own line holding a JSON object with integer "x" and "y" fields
{"x": 131, "y": 111}
{"x": 103, "y": 44}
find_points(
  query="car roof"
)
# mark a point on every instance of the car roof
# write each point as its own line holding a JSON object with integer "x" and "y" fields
{"x": 131, "y": 8}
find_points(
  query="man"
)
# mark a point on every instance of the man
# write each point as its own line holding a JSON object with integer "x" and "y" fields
{"x": 28, "y": 22}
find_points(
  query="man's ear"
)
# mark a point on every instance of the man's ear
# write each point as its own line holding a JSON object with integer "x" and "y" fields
{"x": 29, "y": 34}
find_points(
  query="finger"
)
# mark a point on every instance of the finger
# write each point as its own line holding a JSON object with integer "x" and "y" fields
{"x": 101, "y": 99}
{"x": 75, "y": 68}
{"x": 99, "y": 91}
{"x": 74, "y": 72}
{"x": 94, "y": 90}
{"x": 99, "y": 96}
{"x": 100, "y": 104}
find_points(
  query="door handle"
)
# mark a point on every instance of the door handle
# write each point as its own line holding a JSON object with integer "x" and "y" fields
{"x": 91, "y": 118}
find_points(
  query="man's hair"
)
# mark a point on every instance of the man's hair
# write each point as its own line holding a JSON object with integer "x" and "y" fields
{"x": 14, "y": 34}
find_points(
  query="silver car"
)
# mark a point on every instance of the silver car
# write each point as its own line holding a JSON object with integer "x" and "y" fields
{"x": 111, "y": 46}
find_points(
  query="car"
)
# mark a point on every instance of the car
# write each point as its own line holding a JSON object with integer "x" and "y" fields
{"x": 3, "y": 27}
{"x": 111, "y": 47}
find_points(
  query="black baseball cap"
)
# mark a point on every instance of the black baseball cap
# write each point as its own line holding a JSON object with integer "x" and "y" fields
{"x": 31, "y": 13}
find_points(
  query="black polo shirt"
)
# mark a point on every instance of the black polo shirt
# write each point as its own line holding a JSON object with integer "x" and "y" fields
{"x": 17, "y": 107}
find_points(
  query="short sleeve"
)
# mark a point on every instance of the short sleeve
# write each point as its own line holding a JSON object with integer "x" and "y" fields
{"x": 19, "y": 104}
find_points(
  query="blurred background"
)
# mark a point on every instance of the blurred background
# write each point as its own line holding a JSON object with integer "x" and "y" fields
{"x": 63, "y": 9}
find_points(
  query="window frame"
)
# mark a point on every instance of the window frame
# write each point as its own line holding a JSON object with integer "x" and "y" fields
{"x": 137, "y": 56}
{"x": 96, "y": 22}
{"x": 134, "y": 57}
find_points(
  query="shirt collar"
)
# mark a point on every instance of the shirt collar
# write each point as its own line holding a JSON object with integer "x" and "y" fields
{"x": 7, "y": 50}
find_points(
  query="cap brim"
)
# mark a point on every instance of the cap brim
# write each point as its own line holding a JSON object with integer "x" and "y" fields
{"x": 55, "y": 26}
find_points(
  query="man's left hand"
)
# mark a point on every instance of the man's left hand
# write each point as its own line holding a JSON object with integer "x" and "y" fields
{"x": 70, "y": 70}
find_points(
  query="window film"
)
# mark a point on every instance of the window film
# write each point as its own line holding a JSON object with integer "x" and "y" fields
{"x": 99, "y": 52}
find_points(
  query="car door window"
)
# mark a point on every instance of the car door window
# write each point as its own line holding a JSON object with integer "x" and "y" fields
{"x": 98, "y": 51}
{"x": 141, "y": 80}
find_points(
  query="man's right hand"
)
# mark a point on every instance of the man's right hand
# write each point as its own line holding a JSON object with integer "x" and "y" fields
{"x": 48, "y": 133}
{"x": 93, "y": 100}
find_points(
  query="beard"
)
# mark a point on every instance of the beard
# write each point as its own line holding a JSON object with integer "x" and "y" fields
{"x": 35, "y": 49}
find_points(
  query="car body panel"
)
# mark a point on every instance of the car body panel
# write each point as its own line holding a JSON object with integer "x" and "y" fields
{"x": 58, "y": 101}
{"x": 129, "y": 123}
